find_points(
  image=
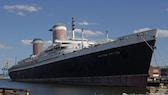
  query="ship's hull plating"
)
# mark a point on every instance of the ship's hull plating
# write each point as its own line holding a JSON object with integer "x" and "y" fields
{"x": 121, "y": 66}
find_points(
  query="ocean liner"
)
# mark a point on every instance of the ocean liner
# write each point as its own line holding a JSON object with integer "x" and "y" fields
{"x": 124, "y": 61}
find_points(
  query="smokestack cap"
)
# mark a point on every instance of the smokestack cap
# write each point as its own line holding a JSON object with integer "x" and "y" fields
{"x": 37, "y": 40}
{"x": 58, "y": 26}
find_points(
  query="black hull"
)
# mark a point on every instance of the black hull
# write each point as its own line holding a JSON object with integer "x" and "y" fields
{"x": 122, "y": 66}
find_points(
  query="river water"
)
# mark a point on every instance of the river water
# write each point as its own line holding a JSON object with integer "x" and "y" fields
{"x": 57, "y": 89}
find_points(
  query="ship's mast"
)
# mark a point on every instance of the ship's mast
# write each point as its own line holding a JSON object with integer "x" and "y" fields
{"x": 73, "y": 28}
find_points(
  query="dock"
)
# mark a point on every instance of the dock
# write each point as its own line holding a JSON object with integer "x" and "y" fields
{"x": 14, "y": 91}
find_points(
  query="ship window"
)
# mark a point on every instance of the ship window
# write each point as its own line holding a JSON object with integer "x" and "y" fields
{"x": 65, "y": 43}
{"x": 63, "y": 47}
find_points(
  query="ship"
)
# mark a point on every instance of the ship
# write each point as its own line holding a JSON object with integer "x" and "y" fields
{"x": 122, "y": 62}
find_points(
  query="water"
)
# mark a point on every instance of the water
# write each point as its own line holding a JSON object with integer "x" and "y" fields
{"x": 57, "y": 89}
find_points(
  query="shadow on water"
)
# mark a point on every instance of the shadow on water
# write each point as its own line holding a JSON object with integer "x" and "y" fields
{"x": 57, "y": 89}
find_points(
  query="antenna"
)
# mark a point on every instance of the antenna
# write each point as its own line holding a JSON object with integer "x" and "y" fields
{"x": 15, "y": 60}
{"x": 73, "y": 28}
{"x": 82, "y": 38}
{"x": 107, "y": 35}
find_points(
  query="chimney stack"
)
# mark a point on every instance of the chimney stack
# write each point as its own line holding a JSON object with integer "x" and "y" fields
{"x": 37, "y": 46}
{"x": 59, "y": 32}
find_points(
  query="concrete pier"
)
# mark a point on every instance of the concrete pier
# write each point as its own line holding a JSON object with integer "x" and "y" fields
{"x": 14, "y": 91}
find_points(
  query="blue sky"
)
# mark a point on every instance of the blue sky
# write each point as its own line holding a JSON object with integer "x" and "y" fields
{"x": 23, "y": 20}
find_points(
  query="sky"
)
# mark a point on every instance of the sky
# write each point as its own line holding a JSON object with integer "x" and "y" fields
{"x": 23, "y": 20}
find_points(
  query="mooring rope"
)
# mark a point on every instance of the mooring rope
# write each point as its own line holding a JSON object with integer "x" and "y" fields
{"x": 147, "y": 43}
{"x": 151, "y": 49}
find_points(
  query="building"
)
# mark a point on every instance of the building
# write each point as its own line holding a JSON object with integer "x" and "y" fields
{"x": 164, "y": 71}
{"x": 154, "y": 72}
{"x": 1, "y": 75}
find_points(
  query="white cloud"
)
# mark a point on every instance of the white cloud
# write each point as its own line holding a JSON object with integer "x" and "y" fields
{"x": 141, "y": 30}
{"x": 47, "y": 43}
{"x": 20, "y": 14}
{"x": 27, "y": 8}
{"x": 89, "y": 32}
{"x": 85, "y": 23}
{"x": 29, "y": 42}
{"x": 2, "y": 46}
{"x": 161, "y": 33}
{"x": 26, "y": 42}
{"x": 18, "y": 9}
{"x": 8, "y": 7}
